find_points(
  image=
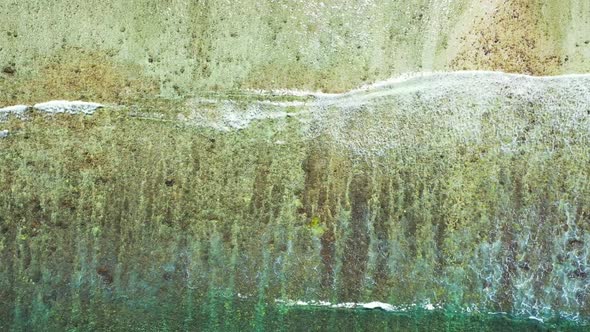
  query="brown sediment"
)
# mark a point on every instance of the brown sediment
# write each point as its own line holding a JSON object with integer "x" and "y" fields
{"x": 510, "y": 36}
{"x": 80, "y": 74}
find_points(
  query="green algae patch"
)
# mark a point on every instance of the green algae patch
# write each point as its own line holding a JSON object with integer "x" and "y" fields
{"x": 316, "y": 228}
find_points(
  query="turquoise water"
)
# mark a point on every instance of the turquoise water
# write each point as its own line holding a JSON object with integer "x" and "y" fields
{"x": 235, "y": 314}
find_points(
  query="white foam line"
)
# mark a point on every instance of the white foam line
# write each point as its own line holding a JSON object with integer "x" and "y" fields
{"x": 410, "y": 76}
{"x": 64, "y": 106}
{"x": 449, "y": 83}
{"x": 293, "y": 93}
{"x": 390, "y": 308}
{"x": 537, "y": 319}
{"x": 283, "y": 103}
{"x": 404, "y": 78}
{"x": 16, "y": 109}
{"x": 345, "y": 305}
{"x": 375, "y": 305}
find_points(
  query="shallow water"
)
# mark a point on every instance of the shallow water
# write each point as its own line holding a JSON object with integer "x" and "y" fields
{"x": 466, "y": 189}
